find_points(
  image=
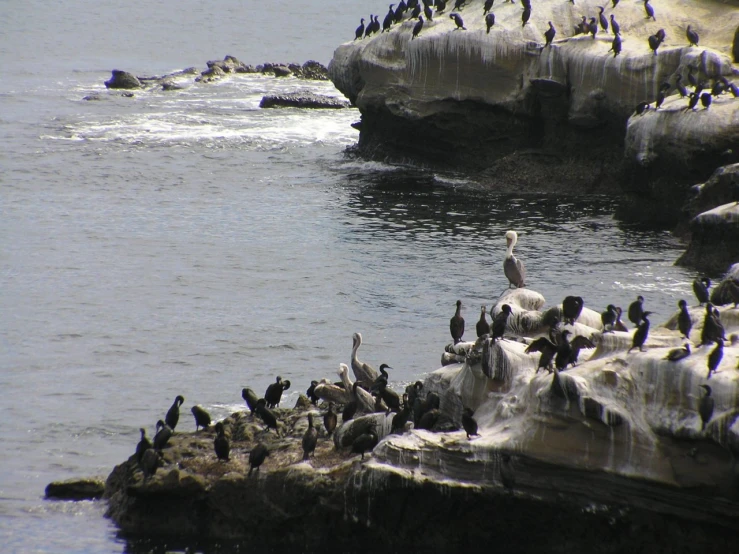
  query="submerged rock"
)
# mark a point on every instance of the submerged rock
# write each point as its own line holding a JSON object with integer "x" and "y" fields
{"x": 302, "y": 100}
{"x": 76, "y": 489}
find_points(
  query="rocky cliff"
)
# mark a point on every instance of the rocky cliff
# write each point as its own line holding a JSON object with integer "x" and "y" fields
{"x": 609, "y": 455}
{"x": 530, "y": 117}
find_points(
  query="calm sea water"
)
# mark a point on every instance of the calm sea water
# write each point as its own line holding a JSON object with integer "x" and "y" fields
{"x": 190, "y": 243}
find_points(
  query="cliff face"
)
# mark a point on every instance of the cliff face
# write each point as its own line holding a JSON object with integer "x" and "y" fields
{"x": 536, "y": 118}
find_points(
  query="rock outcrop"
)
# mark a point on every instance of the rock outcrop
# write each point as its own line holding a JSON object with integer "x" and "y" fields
{"x": 303, "y": 99}
{"x": 123, "y": 79}
{"x": 76, "y": 489}
{"x": 613, "y": 454}
{"x": 540, "y": 118}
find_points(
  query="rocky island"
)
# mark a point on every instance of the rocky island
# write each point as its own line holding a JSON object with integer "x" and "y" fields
{"x": 615, "y": 452}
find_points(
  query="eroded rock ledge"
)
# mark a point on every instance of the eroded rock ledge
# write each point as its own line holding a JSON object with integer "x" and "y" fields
{"x": 608, "y": 456}
{"x": 544, "y": 119}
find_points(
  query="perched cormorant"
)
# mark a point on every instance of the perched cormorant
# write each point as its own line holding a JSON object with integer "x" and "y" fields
{"x": 489, "y": 21}
{"x": 705, "y": 407}
{"x": 654, "y": 43}
{"x": 143, "y": 445}
{"x": 547, "y": 348}
{"x": 389, "y": 396}
{"x": 615, "y": 3}
{"x": 362, "y": 371}
{"x": 525, "y": 16}
{"x": 582, "y": 27}
{"x": 636, "y": 310}
{"x": 649, "y": 9}
{"x": 273, "y": 395}
{"x": 364, "y": 442}
{"x": 440, "y": 6}
{"x": 311, "y": 393}
{"x": 221, "y": 444}
{"x": 660, "y": 99}
{"x": 714, "y": 358}
{"x": 173, "y": 414}
{"x": 678, "y": 353}
{"x": 619, "y": 325}
{"x": 641, "y": 107}
{"x": 693, "y": 102}
{"x": 487, "y": 6}
{"x": 608, "y": 318}
{"x": 402, "y": 417}
{"x": 389, "y": 18}
{"x": 257, "y": 456}
{"x": 593, "y": 27}
{"x": 416, "y": 12}
{"x": 571, "y": 309}
{"x": 616, "y": 45}
{"x": 469, "y": 423}
{"x": 602, "y": 18}
{"x": 641, "y": 333}
{"x": 615, "y": 27}
{"x": 370, "y": 27}
{"x": 482, "y": 327}
{"x": 500, "y": 321}
{"x": 251, "y": 399}
{"x": 456, "y": 324}
{"x": 202, "y": 418}
{"x": 267, "y": 415}
{"x": 310, "y": 438}
{"x": 422, "y": 407}
{"x": 514, "y": 269}
{"x": 330, "y": 420}
{"x": 661, "y": 35}
{"x": 713, "y": 330}
{"x": 568, "y": 351}
{"x": 162, "y": 436}
{"x": 429, "y": 17}
{"x": 692, "y": 37}
{"x": 549, "y": 34}
{"x": 360, "y": 31}
{"x": 399, "y": 11}
{"x": 684, "y": 323}
{"x": 457, "y": 20}
{"x": 429, "y": 419}
{"x": 706, "y": 100}
{"x": 700, "y": 289}
{"x": 149, "y": 462}
{"x": 458, "y": 4}
{"x": 351, "y": 408}
{"x": 680, "y": 87}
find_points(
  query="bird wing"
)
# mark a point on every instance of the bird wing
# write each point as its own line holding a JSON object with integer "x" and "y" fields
{"x": 581, "y": 342}
{"x": 542, "y": 344}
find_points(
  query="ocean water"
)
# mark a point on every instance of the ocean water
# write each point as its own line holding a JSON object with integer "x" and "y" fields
{"x": 190, "y": 243}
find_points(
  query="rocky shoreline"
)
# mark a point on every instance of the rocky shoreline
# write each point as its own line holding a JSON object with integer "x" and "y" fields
{"x": 611, "y": 454}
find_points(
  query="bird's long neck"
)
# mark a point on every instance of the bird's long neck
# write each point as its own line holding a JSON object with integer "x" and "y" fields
{"x": 509, "y": 252}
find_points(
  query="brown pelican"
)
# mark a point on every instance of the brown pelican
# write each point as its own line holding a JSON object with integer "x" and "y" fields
{"x": 362, "y": 371}
{"x": 513, "y": 268}
{"x": 365, "y": 401}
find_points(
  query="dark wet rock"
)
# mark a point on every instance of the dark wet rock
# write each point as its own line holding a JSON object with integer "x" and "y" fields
{"x": 229, "y": 64}
{"x": 210, "y": 75}
{"x": 302, "y": 100}
{"x": 92, "y": 97}
{"x": 76, "y": 489}
{"x": 123, "y": 79}
{"x": 169, "y": 85}
{"x": 281, "y": 71}
{"x": 314, "y": 71}
{"x": 720, "y": 295}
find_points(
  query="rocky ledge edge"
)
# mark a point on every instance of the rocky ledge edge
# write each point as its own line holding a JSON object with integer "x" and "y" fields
{"x": 611, "y": 454}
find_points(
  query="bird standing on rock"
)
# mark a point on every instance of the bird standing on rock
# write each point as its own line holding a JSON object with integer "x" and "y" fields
{"x": 649, "y": 10}
{"x": 700, "y": 289}
{"x": 273, "y": 395}
{"x": 360, "y": 31}
{"x": 616, "y": 45}
{"x": 706, "y": 100}
{"x": 330, "y": 419}
{"x": 608, "y": 318}
{"x": 364, "y": 442}
{"x": 458, "y": 21}
{"x": 692, "y": 37}
{"x": 500, "y": 321}
{"x": 525, "y": 16}
{"x": 468, "y": 423}
{"x": 489, "y": 21}
{"x": 641, "y": 333}
{"x": 221, "y": 444}
{"x": 456, "y": 324}
{"x": 487, "y": 6}
{"x": 257, "y": 456}
{"x": 143, "y": 445}
{"x": 677, "y": 354}
{"x": 615, "y": 27}
{"x": 636, "y": 310}
{"x": 482, "y": 327}
{"x": 514, "y": 269}
{"x": 571, "y": 309}
{"x": 705, "y": 407}
{"x": 602, "y": 18}
{"x": 310, "y": 439}
{"x": 173, "y": 414}
{"x": 549, "y": 34}
{"x": 714, "y": 358}
{"x": 684, "y": 323}
{"x": 202, "y": 418}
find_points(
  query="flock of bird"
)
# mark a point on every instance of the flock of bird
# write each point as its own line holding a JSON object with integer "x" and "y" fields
{"x": 370, "y": 393}
{"x": 588, "y": 26}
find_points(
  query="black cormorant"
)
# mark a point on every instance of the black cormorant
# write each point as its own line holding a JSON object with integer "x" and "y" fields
{"x": 428, "y": 12}
{"x": 706, "y": 100}
{"x": 162, "y": 436}
{"x": 143, "y": 445}
{"x": 173, "y": 414}
{"x": 525, "y": 16}
{"x": 273, "y": 395}
{"x": 149, "y": 462}
{"x": 619, "y": 325}
{"x": 257, "y": 456}
{"x": 487, "y": 6}
{"x": 469, "y": 423}
{"x": 457, "y": 21}
{"x": 714, "y": 358}
{"x": 370, "y": 26}
{"x": 360, "y": 31}
{"x": 571, "y": 309}
{"x": 700, "y": 289}
{"x": 389, "y": 18}
{"x": 364, "y": 442}
{"x": 592, "y": 27}
{"x": 680, "y": 87}
{"x": 202, "y": 418}
{"x": 660, "y": 99}
{"x": 482, "y": 327}
{"x": 568, "y": 351}
{"x": 693, "y": 100}
{"x": 705, "y": 407}
{"x": 267, "y": 415}
{"x": 616, "y": 45}
{"x": 713, "y": 329}
{"x": 489, "y": 21}
{"x": 684, "y": 323}
{"x": 649, "y": 9}
{"x": 500, "y": 321}
{"x": 456, "y": 324}
{"x": 330, "y": 420}
{"x": 654, "y": 43}
{"x": 402, "y": 417}
{"x": 608, "y": 318}
{"x": 221, "y": 444}
{"x": 251, "y": 399}
{"x": 310, "y": 438}
{"x": 429, "y": 419}
{"x": 603, "y": 19}
{"x": 547, "y": 348}
{"x": 549, "y": 34}
{"x": 311, "y": 393}
{"x": 692, "y": 37}
{"x": 641, "y": 107}
{"x": 641, "y": 333}
{"x": 440, "y": 6}
{"x": 351, "y": 407}
{"x": 636, "y": 310}
{"x": 615, "y": 27}
{"x": 678, "y": 353}
{"x": 458, "y": 4}
{"x": 399, "y": 11}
